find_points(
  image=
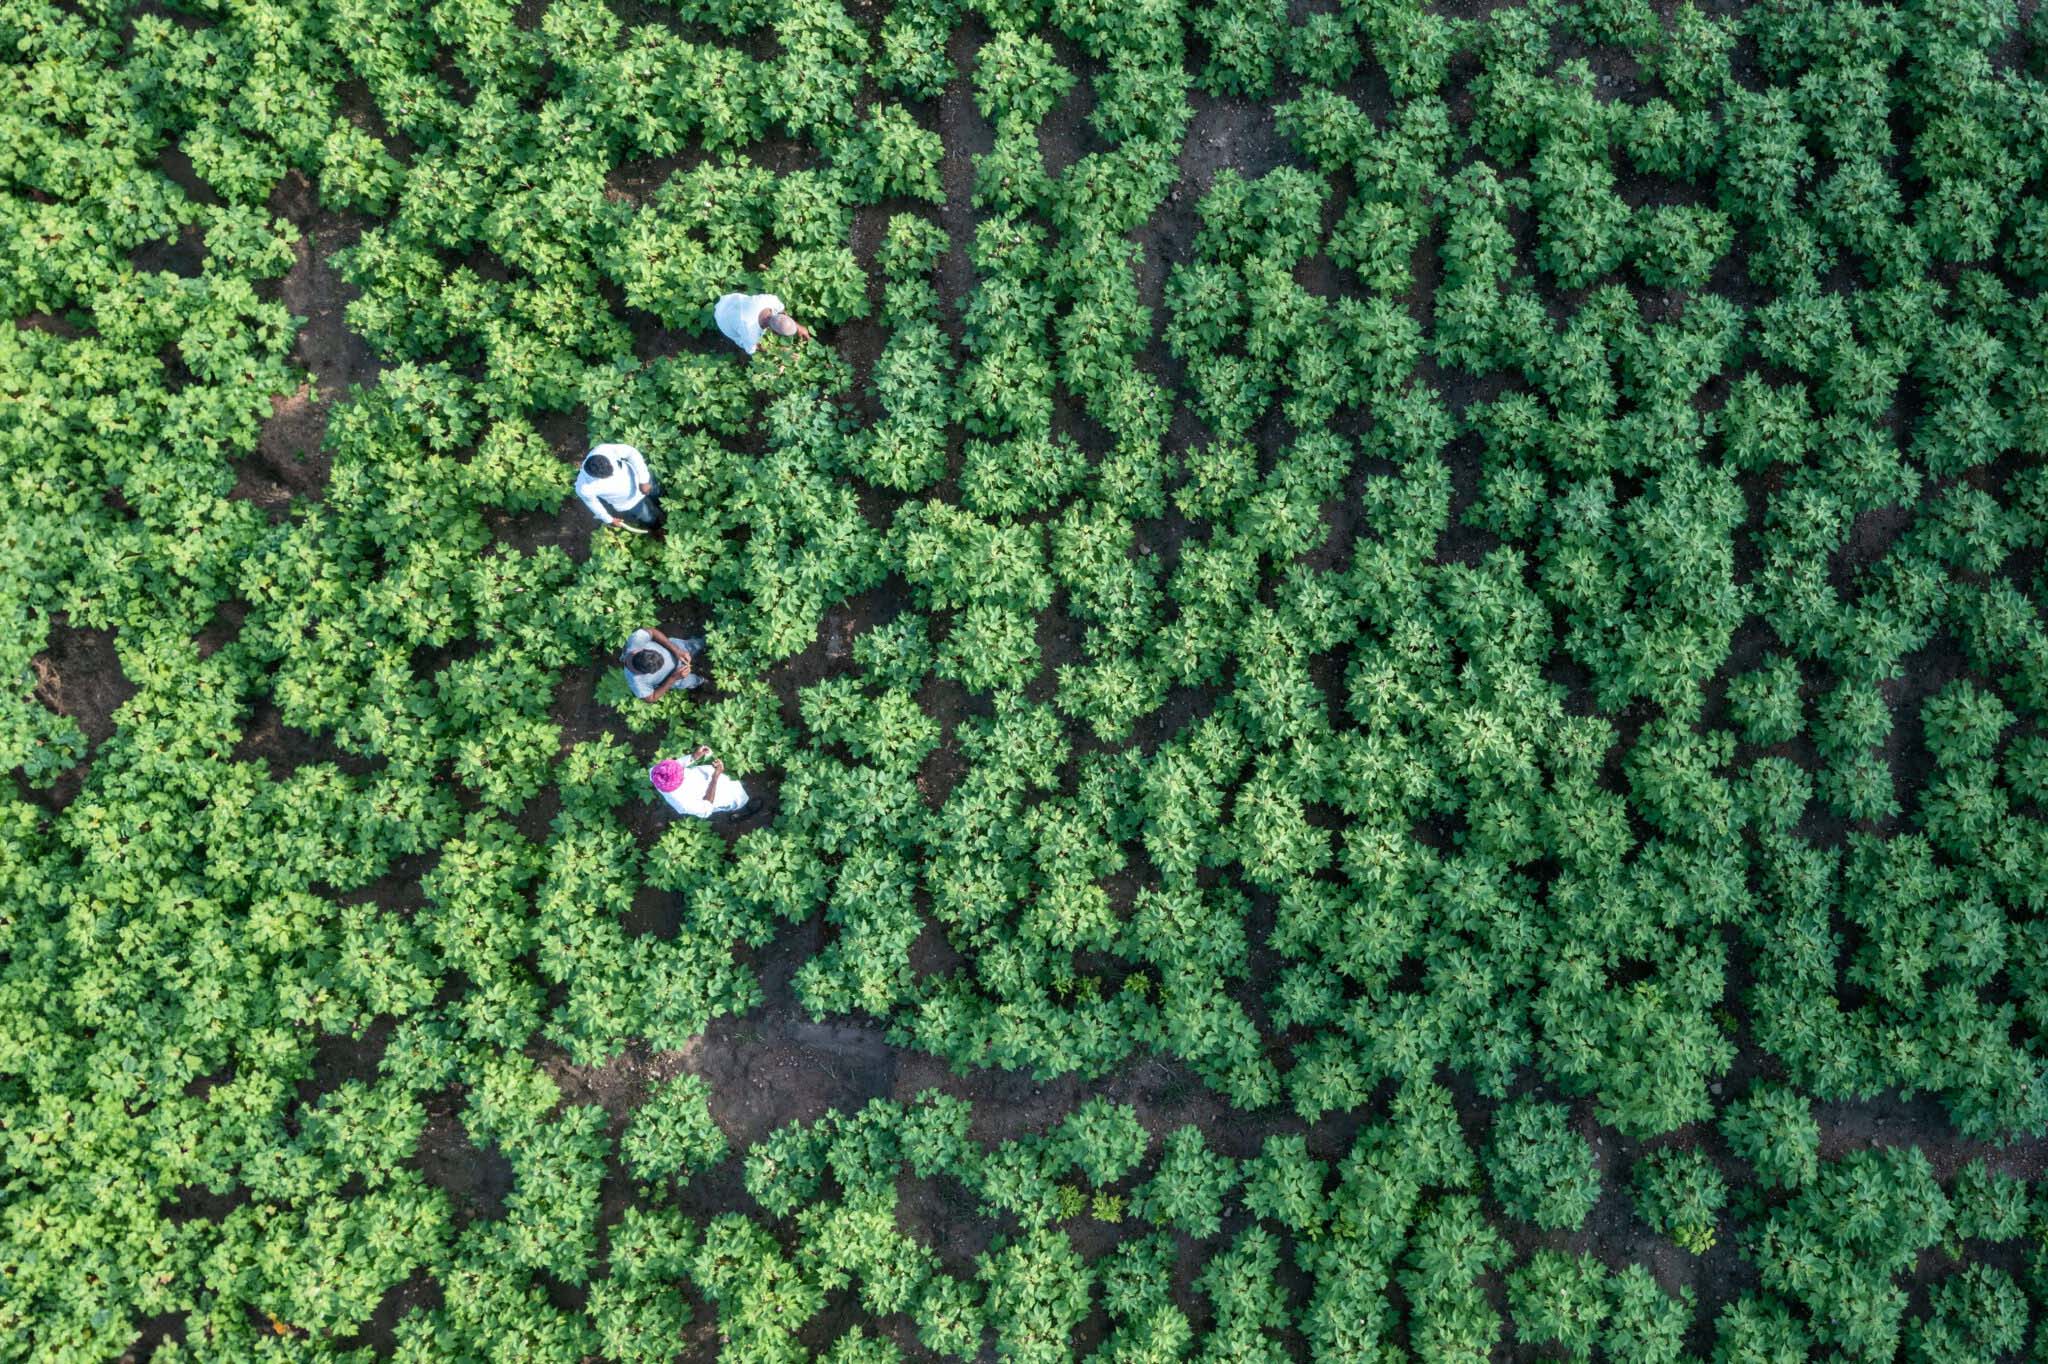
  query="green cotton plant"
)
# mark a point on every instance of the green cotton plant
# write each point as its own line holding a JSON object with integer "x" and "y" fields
{"x": 892, "y": 156}
{"x": 1018, "y": 80}
{"x": 1978, "y": 1309}
{"x": 1287, "y": 1185}
{"x": 1765, "y": 702}
{"x": 636, "y": 1324}
{"x": 1450, "y": 1247}
{"x": 1328, "y": 128}
{"x": 1414, "y": 47}
{"x": 1142, "y": 95}
{"x": 1583, "y": 228}
{"x": 1037, "y": 1291}
{"x": 1963, "y": 723}
{"x": 1663, "y": 140}
{"x": 1020, "y": 476}
{"x": 1774, "y": 1130}
{"x": 1988, "y": 1204}
{"x": 990, "y": 648}
{"x": 1680, "y": 1194}
{"x": 1677, "y": 247}
{"x": 1323, "y": 49}
{"x": 1376, "y": 240}
{"x": 1187, "y": 1189}
{"x": 1540, "y": 1170}
{"x": 911, "y": 51}
{"x": 888, "y": 729}
{"x": 1241, "y": 1283}
{"x": 1840, "y": 1264}
{"x": 1245, "y": 38}
{"x": 673, "y": 1132}
{"x": 1645, "y": 1325}
{"x": 1559, "y": 1298}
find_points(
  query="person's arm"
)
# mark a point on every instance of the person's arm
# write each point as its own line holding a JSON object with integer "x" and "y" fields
{"x": 711, "y": 791}
{"x": 679, "y": 675}
{"x": 641, "y": 476}
{"x": 597, "y": 507}
{"x": 675, "y": 675}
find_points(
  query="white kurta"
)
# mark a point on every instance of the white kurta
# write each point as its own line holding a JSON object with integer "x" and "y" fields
{"x": 622, "y": 489}
{"x": 688, "y": 799}
{"x": 739, "y": 317}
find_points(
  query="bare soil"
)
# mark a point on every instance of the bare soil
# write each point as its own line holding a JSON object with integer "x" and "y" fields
{"x": 78, "y": 674}
{"x": 291, "y": 459}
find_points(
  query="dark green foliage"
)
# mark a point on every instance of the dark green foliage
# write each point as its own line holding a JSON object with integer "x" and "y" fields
{"x": 1988, "y": 1204}
{"x": 1765, "y": 702}
{"x": 1837, "y": 1244}
{"x": 1679, "y": 1193}
{"x": 1541, "y": 1170}
{"x": 1559, "y": 1299}
{"x": 1773, "y": 1129}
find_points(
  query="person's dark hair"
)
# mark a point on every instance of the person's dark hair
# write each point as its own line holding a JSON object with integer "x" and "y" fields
{"x": 645, "y": 660}
{"x": 597, "y": 466}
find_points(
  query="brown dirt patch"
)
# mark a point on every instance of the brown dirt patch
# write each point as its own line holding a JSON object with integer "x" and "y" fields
{"x": 476, "y": 1179}
{"x": 290, "y": 459}
{"x": 78, "y": 674}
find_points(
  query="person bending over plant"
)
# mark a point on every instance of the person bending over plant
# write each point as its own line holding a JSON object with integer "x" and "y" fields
{"x": 615, "y": 484}
{"x": 744, "y": 317}
{"x": 698, "y": 788}
{"x": 655, "y": 663}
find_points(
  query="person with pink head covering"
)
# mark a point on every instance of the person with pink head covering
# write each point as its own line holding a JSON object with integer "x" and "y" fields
{"x": 698, "y": 788}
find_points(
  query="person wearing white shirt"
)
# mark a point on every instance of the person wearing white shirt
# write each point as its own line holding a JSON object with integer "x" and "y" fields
{"x": 698, "y": 788}
{"x": 654, "y": 663}
{"x": 744, "y": 317}
{"x": 616, "y": 485}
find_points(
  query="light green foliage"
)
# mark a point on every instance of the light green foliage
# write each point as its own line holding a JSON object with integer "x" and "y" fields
{"x": 1018, "y": 80}
{"x": 1286, "y": 1184}
{"x": 1104, "y": 1141}
{"x": 1188, "y": 1188}
{"x": 672, "y": 1132}
{"x": 1038, "y": 1290}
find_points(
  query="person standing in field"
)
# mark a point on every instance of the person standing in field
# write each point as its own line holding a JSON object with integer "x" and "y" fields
{"x": 744, "y": 317}
{"x": 655, "y": 663}
{"x": 697, "y": 788}
{"x": 615, "y": 484}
